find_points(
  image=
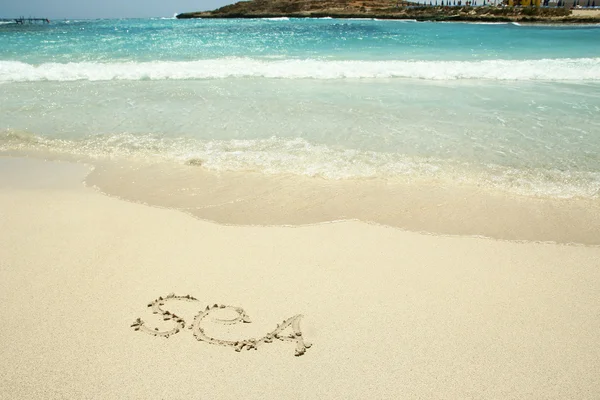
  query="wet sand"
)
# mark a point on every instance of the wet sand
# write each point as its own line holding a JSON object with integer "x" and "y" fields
{"x": 251, "y": 198}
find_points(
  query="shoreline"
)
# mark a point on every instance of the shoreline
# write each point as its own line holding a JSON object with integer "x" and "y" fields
{"x": 416, "y": 316}
{"x": 256, "y": 199}
{"x": 253, "y": 199}
{"x": 525, "y": 21}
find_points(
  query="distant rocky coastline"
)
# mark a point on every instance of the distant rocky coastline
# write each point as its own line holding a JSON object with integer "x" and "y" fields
{"x": 393, "y": 10}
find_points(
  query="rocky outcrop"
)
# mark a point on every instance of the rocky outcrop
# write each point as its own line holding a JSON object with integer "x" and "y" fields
{"x": 388, "y": 10}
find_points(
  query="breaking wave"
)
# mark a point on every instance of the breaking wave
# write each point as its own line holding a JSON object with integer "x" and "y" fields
{"x": 567, "y": 69}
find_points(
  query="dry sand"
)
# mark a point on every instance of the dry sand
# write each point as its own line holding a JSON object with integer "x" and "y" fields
{"x": 391, "y": 314}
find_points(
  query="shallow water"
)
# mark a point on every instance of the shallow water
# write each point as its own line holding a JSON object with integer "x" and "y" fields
{"x": 506, "y": 109}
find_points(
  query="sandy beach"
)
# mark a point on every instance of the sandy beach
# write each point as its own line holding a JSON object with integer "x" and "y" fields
{"x": 390, "y": 314}
{"x": 581, "y": 12}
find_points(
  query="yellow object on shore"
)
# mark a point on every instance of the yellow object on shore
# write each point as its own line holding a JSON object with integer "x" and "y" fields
{"x": 524, "y": 3}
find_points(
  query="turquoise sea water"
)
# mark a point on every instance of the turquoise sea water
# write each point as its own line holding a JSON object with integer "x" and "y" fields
{"x": 506, "y": 106}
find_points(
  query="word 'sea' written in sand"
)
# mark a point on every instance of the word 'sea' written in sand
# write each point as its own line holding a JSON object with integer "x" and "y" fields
{"x": 208, "y": 312}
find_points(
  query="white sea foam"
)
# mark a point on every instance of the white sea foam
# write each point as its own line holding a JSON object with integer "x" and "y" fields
{"x": 545, "y": 69}
{"x": 394, "y": 20}
{"x": 298, "y": 156}
{"x": 276, "y": 19}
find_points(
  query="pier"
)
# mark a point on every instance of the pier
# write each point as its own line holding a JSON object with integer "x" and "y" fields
{"x": 23, "y": 20}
